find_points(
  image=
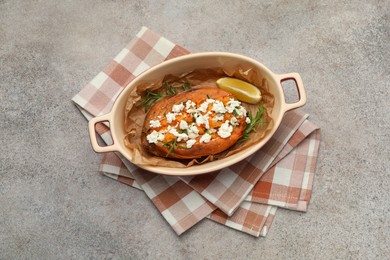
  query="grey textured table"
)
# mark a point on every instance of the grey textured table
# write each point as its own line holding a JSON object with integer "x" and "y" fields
{"x": 55, "y": 205}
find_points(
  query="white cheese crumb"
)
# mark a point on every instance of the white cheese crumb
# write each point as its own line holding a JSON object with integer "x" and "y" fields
{"x": 225, "y": 130}
{"x": 154, "y": 123}
{"x": 152, "y": 137}
{"x": 179, "y": 136}
{"x": 247, "y": 120}
{"x": 190, "y": 104}
{"x": 190, "y": 107}
{"x": 203, "y": 107}
{"x": 218, "y": 107}
{"x": 183, "y": 124}
{"x": 202, "y": 119}
{"x": 178, "y": 108}
{"x": 212, "y": 130}
{"x": 241, "y": 111}
{"x": 234, "y": 121}
{"x": 205, "y": 138}
{"x": 218, "y": 117}
{"x": 160, "y": 136}
{"x": 193, "y": 132}
{"x": 190, "y": 143}
{"x": 173, "y": 131}
{"x": 170, "y": 117}
{"x": 233, "y": 104}
{"x": 182, "y": 136}
{"x": 210, "y": 100}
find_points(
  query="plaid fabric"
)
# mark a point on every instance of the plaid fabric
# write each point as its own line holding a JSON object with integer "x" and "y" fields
{"x": 244, "y": 196}
{"x": 288, "y": 183}
{"x": 229, "y": 187}
{"x": 252, "y": 218}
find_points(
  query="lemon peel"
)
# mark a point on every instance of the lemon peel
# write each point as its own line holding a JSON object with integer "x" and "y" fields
{"x": 243, "y": 91}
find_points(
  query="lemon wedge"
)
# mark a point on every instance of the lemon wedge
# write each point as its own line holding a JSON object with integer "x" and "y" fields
{"x": 243, "y": 91}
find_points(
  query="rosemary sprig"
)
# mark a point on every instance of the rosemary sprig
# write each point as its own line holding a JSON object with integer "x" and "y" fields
{"x": 150, "y": 99}
{"x": 171, "y": 144}
{"x": 254, "y": 122}
{"x": 153, "y": 97}
{"x": 186, "y": 86}
{"x": 170, "y": 89}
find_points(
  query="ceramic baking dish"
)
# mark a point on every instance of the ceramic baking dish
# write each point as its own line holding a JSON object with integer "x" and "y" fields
{"x": 188, "y": 63}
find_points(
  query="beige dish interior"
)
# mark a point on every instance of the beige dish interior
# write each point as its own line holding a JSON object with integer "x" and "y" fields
{"x": 184, "y": 64}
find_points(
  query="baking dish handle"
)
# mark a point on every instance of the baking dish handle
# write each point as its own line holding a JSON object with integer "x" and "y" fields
{"x": 92, "y": 134}
{"x": 300, "y": 88}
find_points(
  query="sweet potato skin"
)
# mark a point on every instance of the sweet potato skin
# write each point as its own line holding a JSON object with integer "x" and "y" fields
{"x": 216, "y": 145}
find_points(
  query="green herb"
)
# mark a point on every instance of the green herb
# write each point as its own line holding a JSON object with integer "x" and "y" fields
{"x": 152, "y": 97}
{"x": 171, "y": 144}
{"x": 170, "y": 89}
{"x": 182, "y": 131}
{"x": 186, "y": 86}
{"x": 254, "y": 122}
{"x": 207, "y": 95}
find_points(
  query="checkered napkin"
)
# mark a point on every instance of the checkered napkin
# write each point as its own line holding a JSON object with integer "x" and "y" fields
{"x": 244, "y": 196}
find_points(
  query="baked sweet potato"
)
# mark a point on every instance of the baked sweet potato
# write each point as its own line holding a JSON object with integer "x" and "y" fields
{"x": 193, "y": 124}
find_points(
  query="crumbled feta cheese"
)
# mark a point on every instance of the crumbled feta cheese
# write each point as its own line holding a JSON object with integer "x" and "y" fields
{"x": 193, "y": 132}
{"x": 203, "y": 107}
{"x": 190, "y": 143}
{"x": 218, "y": 107}
{"x": 183, "y": 125}
{"x": 192, "y": 135}
{"x": 154, "y": 123}
{"x": 190, "y": 104}
{"x": 173, "y": 131}
{"x": 212, "y": 130}
{"x": 160, "y": 136}
{"x": 190, "y": 107}
{"x": 201, "y": 119}
{"x": 230, "y": 109}
{"x": 225, "y": 130}
{"x": 234, "y": 121}
{"x": 210, "y": 100}
{"x": 247, "y": 120}
{"x": 152, "y": 137}
{"x": 205, "y": 138}
{"x": 180, "y": 136}
{"x": 170, "y": 117}
{"x": 218, "y": 117}
{"x": 178, "y": 108}
{"x": 241, "y": 112}
{"x": 234, "y": 103}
